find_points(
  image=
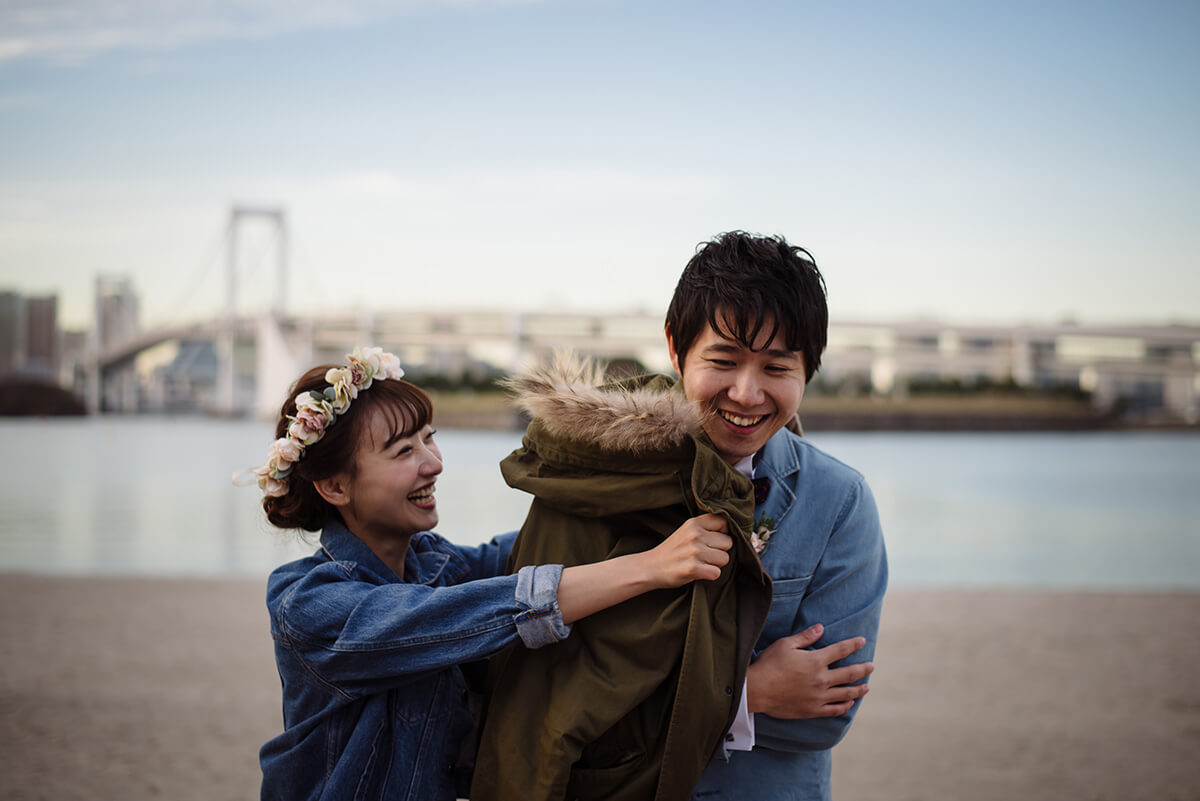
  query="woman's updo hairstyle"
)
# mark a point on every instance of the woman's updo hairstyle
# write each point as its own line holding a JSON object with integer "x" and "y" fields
{"x": 405, "y": 407}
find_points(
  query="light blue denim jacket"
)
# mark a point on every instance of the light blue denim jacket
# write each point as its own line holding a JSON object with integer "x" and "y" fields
{"x": 828, "y": 566}
{"x": 374, "y": 702}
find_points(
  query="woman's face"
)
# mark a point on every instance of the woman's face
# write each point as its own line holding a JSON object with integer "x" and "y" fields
{"x": 392, "y": 492}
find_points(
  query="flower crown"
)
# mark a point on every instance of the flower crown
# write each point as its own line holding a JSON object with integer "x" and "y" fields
{"x": 317, "y": 411}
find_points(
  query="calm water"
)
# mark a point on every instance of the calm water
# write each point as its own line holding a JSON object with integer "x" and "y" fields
{"x": 150, "y": 496}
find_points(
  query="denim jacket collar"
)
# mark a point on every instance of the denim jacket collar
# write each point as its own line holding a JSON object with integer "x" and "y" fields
{"x": 423, "y": 563}
{"x": 779, "y": 459}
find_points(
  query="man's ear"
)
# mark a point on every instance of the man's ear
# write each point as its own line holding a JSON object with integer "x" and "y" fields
{"x": 671, "y": 350}
{"x": 334, "y": 490}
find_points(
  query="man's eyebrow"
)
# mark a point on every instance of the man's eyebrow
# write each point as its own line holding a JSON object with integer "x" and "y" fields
{"x": 727, "y": 346}
{"x": 724, "y": 346}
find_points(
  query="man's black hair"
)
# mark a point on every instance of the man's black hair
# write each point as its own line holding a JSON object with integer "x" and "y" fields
{"x": 740, "y": 283}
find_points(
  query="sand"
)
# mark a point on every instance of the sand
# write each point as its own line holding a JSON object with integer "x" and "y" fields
{"x": 152, "y": 689}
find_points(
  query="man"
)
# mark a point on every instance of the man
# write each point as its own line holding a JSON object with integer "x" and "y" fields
{"x": 746, "y": 329}
{"x": 633, "y": 704}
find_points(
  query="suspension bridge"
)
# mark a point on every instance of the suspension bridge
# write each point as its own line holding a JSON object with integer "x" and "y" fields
{"x": 258, "y": 354}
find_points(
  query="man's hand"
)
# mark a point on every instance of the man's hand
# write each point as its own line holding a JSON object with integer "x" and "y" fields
{"x": 789, "y": 681}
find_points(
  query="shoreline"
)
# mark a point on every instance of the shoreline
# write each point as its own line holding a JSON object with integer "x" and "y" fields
{"x": 141, "y": 688}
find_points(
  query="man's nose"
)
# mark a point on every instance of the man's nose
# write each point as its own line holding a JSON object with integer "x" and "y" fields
{"x": 746, "y": 389}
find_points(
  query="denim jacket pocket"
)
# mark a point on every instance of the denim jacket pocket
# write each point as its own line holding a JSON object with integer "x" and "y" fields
{"x": 785, "y": 608}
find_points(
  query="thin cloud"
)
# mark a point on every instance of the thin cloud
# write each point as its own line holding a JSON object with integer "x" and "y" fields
{"x": 72, "y": 31}
{"x": 556, "y": 184}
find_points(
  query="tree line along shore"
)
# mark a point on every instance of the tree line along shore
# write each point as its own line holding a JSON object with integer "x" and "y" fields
{"x": 981, "y": 412}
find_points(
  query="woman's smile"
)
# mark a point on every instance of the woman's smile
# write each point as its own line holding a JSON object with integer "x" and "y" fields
{"x": 423, "y": 497}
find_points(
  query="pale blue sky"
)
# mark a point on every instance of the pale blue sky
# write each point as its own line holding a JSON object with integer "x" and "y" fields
{"x": 1003, "y": 162}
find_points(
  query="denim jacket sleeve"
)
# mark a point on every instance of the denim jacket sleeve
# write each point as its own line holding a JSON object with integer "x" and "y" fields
{"x": 846, "y": 596}
{"x": 489, "y": 559}
{"x": 356, "y": 637}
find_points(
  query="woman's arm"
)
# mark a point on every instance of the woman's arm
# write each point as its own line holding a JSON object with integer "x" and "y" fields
{"x": 356, "y": 638}
{"x": 697, "y": 550}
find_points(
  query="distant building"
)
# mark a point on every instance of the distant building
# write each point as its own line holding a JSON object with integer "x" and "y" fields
{"x": 42, "y": 338}
{"x": 12, "y": 332}
{"x": 116, "y": 311}
{"x": 30, "y": 342}
{"x": 1147, "y": 372}
{"x": 115, "y": 323}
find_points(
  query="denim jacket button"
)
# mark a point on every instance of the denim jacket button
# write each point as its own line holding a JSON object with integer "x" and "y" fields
{"x": 729, "y": 691}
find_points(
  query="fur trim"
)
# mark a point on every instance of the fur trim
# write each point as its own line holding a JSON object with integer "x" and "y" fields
{"x": 571, "y": 400}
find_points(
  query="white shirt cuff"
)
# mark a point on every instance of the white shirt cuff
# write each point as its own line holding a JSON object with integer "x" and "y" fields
{"x": 740, "y": 736}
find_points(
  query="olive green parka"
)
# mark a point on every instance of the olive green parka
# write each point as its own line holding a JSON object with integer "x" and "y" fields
{"x": 634, "y": 704}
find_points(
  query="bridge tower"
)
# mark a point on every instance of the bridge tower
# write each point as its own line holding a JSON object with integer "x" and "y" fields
{"x": 226, "y": 396}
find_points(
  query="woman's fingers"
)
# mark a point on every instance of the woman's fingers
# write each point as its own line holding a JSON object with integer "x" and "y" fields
{"x": 717, "y": 549}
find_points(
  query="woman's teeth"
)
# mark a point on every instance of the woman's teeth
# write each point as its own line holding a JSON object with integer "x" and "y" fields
{"x": 737, "y": 420}
{"x": 422, "y": 496}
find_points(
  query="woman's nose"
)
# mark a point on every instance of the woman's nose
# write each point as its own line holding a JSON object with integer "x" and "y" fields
{"x": 431, "y": 461}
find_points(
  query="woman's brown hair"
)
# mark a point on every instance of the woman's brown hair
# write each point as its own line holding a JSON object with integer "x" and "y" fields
{"x": 406, "y": 408}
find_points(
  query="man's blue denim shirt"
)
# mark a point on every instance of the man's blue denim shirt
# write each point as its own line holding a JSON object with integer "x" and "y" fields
{"x": 828, "y": 565}
{"x": 374, "y": 702}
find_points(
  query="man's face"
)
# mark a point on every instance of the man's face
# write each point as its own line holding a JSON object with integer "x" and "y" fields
{"x": 752, "y": 392}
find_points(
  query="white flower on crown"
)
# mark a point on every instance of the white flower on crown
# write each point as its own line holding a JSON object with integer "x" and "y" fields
{"x": 285, "y": 449}
{"x": 340, "y": 395}
{"x": 307, "y": 426}
{"x": 389, "y": 365}
{"x": 316, "y": 402}
{"x": 369, "y": 359}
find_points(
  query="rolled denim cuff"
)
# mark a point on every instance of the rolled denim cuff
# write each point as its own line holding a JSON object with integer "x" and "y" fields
{"x": 542, "y": 623}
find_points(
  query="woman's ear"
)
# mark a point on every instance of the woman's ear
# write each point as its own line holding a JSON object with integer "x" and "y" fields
{"x": 335, "y": 490}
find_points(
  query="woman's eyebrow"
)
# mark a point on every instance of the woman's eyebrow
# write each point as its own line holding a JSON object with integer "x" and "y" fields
{"x": 393, "y": 439}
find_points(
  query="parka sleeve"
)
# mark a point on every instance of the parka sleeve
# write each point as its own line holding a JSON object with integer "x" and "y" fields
{"x": 846, "y": 596}
{"x": 357, "y": 638}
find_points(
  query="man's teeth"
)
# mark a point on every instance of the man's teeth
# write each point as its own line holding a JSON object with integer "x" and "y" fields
{"x": 421, "y": 496}
{"x": 737, "y": 420}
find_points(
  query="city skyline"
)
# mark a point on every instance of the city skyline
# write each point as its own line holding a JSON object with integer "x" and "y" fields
{"x": 1029, "y": 162}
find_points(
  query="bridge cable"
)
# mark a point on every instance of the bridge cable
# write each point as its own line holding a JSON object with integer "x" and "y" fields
{"x": 197, "y": 279}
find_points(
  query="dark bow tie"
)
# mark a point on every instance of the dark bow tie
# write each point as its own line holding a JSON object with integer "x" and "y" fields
{"x": 761, "y": 487}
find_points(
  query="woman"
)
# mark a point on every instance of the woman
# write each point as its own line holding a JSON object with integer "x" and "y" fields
{"x": 371, "y": 630}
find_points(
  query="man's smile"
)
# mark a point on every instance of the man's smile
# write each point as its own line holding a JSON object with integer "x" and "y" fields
{"x": 739, "y": 420}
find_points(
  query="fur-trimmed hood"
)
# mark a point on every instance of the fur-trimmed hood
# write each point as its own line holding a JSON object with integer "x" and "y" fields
{"x": 571, "y": 399}
{"x": 599, "y": 449}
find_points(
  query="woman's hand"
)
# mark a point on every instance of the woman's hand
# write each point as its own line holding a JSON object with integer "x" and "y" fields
{"x": 697, "y": 550}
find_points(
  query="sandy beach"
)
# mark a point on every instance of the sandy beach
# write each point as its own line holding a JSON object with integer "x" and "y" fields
{"x": 164, "y": 689}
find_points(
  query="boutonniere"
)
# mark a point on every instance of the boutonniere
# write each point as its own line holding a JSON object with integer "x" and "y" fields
{"x": 764, "y": 528}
